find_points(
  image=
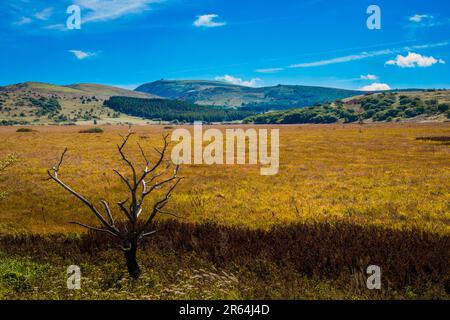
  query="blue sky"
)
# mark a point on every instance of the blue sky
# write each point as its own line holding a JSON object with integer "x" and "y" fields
{"x": 249, "y": 42}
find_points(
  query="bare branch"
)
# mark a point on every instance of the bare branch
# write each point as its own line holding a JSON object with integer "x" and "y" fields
{"x": 121, "y": 205}
{"x": 93, "y": 228}
{"x": 171, "y": 214}
{"x": 159, "y": 161}
{"x": 54, "y": 176}
{"x": 162, "y": 183}
{"x": 125, "y": 180}
{"x": 148, "y": 233}
{"x": 124, "y": 157}
{"x": 108, "y": 211}
{"x": 143, "y": 155}
{"x": 160, "y": 204}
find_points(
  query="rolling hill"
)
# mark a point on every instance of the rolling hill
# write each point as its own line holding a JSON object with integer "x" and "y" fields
{"x": 184, "y": 100}
{"x": 224, "y": 94}
{"x": 37, "y": 102}
{"x": 417, "y": 106}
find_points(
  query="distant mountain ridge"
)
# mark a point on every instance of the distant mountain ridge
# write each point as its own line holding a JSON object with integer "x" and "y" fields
{"x": 219, "y": 93}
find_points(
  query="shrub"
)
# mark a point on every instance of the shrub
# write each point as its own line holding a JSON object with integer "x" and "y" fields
{"x": 92, "y": 130}
{"x": 25, "y": 130}
{"x": 443, "y": 107}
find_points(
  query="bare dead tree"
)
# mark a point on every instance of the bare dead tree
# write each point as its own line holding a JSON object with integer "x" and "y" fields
{"x": 139, "y": 185}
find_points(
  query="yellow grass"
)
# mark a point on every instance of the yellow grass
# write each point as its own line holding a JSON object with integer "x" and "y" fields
{"x": 370, "y": 174}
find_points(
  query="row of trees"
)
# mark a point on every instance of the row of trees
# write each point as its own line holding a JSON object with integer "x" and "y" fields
{"x": 169, "y": 110}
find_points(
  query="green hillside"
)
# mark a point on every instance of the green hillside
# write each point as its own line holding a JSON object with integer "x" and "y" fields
{"x": 44, "y": 103}
{"x": 389, "y": 106}
{"x": 229, "y": 95}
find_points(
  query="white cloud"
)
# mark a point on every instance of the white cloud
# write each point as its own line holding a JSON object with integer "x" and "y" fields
{"x": 376, "y": 87}
{"x": 420, "y": 17}
{"x": 103, "y": 10}
{"x": 413, "y": 60}
{"x": 23, "y": 21}
{"x": 238, "y": 81}
{"x": 80, "y": 55}
{"x": 369, "y": 77}
{"x": 208, "y": 21}
{"x": 44, "y": 14}
{"x": 269, "y": 70}
{"x": 363, "y": 55}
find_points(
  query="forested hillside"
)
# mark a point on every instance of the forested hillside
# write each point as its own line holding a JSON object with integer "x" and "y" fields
{"x": 169, "y": 110}
{"x": 219, "y": 93}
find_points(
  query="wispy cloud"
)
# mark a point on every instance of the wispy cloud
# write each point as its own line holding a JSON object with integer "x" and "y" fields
{"x": 255, "y": 82}
{"x": 208, "y": 21}
{"x": 23, "y": 21}
{"x": 353, "y": 57}
{"x": 81, "y": 55}
{"x": 417, "y": 18}
{"x": 369, "y": 77}
{"x": 92, "y": 11}
{"x": 420, "y": 21}
{"x": 104, "y": 10}
{"x": 413, "y": 60}
{"x": 269, "y": 70}
{"x": 376, "y": 87}
{"x": 44, "y": 14}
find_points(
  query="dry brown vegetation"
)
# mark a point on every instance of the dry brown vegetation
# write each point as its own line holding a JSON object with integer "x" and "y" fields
{"x": 208, "y": 261}
{"x": 370, "y": 174}
{"x": 346, "y": 196}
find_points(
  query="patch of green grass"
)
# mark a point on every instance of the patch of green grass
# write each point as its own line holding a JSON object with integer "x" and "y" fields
{"x": 18, "y": 275}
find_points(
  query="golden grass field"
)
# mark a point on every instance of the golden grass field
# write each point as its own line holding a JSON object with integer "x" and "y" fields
{"x": 376, "y": 174}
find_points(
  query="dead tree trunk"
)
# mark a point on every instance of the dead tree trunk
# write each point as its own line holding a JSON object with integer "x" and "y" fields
{"x": 139, "y": 185}
{"x": 130, "y": 257}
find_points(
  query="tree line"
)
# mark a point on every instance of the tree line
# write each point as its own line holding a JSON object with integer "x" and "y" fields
{"x": 171, "y": 110}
